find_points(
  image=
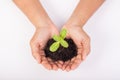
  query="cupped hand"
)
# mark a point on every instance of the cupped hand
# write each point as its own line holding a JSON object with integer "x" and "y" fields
{"x": 38, "y": 42}
{"x": 82, "y": 42}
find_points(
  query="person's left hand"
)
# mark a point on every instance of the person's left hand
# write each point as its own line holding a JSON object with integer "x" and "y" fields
{"x": 82, "y": 42}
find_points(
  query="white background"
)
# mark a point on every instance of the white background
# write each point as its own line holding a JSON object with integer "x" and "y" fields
{"x": 17, "y": 63}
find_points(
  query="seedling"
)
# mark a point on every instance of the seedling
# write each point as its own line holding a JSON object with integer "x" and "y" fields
{"x": 59, "y": 48}
{"x": 59, "y": 40}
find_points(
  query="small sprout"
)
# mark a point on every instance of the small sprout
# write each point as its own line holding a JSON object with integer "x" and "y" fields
{"x": 56, "y": 38}
{"x": 54, "y": 46}
{"x": 64, "y": 43}
{"x": 59, "y": 40}
{"x": 63, "y": 33}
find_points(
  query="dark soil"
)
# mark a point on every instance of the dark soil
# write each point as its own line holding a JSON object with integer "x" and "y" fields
{"x": 62, "y": 53}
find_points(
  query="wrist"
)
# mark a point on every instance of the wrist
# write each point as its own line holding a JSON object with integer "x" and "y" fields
{"x": 44, "y": 23}
{"x": 46, "y": 26}
{"x": 72, "y": 24}
{"x": 70, "y": 27}
{"x": 75, "y": 22}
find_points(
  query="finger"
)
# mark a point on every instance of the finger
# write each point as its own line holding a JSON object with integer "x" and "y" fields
{"x": 54, "y": 66}
{"x": 86, "y": 49}
{"x": 76, "y": 62}
{"x": 47, "y": 65}
{"x": 61, "y": 62}
{"x": 35, "y": 52}
{"x": 58, "y": 64}
{"x": 68, "y": 68}
{"x": 79, "y": 57}
{"x": 65, "y": 64}
{"x": 49, "y": 59}
{"x": 72, "y": 60}
{"x": 37, "y": 57}
{"x": 43, "y": 59}
{"x": 75, "y": 65}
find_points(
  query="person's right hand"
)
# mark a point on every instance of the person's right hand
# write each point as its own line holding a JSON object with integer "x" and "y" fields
{"x": 38, "y": 42}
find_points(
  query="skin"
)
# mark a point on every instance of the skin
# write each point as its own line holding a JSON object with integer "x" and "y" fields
{"x": 74, "y": 26}
{"x": 45, "y": 29}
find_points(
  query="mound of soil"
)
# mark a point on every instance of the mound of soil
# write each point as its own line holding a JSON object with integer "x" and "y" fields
{"x": 63, "y": 54}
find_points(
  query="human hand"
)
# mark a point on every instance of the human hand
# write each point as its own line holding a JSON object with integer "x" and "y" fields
{"x": 38, "y": 42}
{"x": 82, "y": 42}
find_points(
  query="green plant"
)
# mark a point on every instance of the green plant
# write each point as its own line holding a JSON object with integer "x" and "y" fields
{"x": 59, "y": 40}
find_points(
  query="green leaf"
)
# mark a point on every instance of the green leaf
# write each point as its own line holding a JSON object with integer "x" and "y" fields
{"x": 54, "y": 46}
{"x": 63, "y": 33}
{"x": 64, "y": 43}
{"x": 56, "y": 38}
